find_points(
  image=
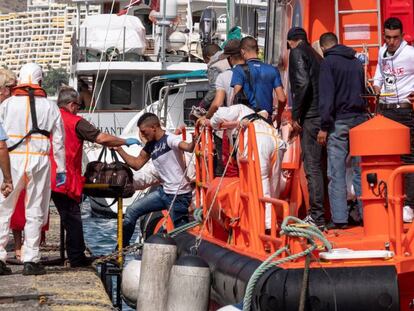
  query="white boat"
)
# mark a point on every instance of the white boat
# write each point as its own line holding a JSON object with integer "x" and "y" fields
{"x": 130, "y": 65}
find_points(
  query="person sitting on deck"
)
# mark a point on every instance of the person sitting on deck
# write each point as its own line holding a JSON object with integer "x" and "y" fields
{"x": 166, "y": 152}
{"x": 270, "y": 147}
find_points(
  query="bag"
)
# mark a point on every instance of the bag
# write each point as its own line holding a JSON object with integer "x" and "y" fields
{"x": 117, "y": 175}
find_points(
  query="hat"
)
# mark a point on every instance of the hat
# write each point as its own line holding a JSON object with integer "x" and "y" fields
{"x": 297, "y": 33}
{"x": 30, "y": 74}
{"x": 232, "y": 48}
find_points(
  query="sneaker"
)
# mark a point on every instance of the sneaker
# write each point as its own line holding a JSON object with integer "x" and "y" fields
{"x": 334, "y": 226}
{"x": 4, "y": 270}
{"x": 309, "y": 220}
{"x": 408, "y": 214}
{"x": 33, "y": 268}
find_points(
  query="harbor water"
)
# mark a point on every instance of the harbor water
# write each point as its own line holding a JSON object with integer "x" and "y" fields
{"x": 100, "y": 237}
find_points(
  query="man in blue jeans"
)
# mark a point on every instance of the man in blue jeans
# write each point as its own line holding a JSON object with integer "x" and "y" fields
{"x": 341, "y": 107}
{"x": 166, "y": 152}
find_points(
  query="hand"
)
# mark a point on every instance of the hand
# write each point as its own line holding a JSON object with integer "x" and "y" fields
{"x": 201, "y": 121}
{"x": 132, "y": 141}
{"x": 6, "y": 188}
{"x": 322, "y": 137}
{"x": 296, "y": 129}
{"x": 244, "y": 123}
{"x": 60, "y": 179}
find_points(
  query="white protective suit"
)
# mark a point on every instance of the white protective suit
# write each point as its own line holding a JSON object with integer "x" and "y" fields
{"x": 271, "y": 149}
{"x": 30, "y": 163}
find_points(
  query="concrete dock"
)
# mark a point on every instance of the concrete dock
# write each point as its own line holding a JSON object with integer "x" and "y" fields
{"x": 62, "y": 288}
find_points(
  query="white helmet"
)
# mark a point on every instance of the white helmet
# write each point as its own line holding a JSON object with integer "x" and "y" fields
{"x": 30, "y": 74}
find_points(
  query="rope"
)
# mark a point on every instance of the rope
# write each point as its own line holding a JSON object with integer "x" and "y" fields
{"x": 199, "y": 236}
{"x": 297, "y": 228}
{"x": 198, "y": 216}
{"x": 182, "y": 179}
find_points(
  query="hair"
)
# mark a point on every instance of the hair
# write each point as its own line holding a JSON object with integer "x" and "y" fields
{"x": 328, "y": 39}
{"x": 67, "y": 95}
{"x": 210, "y": 49}
{"x": 249, "y": 44}
{"x": 7, "y": 78}
{"x": 393, "y": 23}
{"x": 148, "y": 118}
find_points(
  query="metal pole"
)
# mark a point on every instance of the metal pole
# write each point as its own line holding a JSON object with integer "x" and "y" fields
{"x": 337, "y": 20}
{"x": 120, "y": 235}
{"x": 123, "y": 44}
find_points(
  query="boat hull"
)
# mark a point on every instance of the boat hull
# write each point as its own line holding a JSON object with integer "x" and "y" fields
{"x": 339, "y": 288}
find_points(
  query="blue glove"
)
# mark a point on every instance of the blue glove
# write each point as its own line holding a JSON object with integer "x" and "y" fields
{"x": 132, "y": 141}
{"x": 60, "y": 179}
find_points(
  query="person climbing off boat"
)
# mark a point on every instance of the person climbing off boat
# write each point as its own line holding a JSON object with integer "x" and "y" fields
{"x": 166, "y": 152}
{"x": 270, "y": 146}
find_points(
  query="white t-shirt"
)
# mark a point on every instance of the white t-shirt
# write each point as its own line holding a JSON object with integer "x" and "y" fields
{"x": 168, "y": 160}
{"x": 223, "y": 82}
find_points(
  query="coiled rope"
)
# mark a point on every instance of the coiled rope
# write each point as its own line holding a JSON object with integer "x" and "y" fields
{"x": 294, "y": 227}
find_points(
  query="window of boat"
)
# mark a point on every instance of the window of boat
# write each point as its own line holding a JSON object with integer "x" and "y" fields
{"x": 120, "y": 92}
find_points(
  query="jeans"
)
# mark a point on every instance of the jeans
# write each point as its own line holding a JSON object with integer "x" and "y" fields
{"x": 156, "y": 201}
{"x": 70, "y": 216}
{"x": 312, "y": 159}
{"x": 405, "y": 117}
{"x": 338, "y": 151}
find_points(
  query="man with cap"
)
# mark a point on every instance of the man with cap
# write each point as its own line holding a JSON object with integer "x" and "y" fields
{"x": 304, "y": 64}
{"x": 259, "y": 81}
{"x": 30, "y": 165}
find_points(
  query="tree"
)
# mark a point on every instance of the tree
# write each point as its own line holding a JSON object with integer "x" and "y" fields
{"x": 54, "y": 79}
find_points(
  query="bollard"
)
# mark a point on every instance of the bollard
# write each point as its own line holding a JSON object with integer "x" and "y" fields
{"x": 130, "y": 281}
{"x": 189, "y": 286}
{"x": 158, "y": 256}
{"x": 229, "y": 308}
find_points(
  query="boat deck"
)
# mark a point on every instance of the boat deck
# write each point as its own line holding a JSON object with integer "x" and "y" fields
{"x": 62, "y": 288}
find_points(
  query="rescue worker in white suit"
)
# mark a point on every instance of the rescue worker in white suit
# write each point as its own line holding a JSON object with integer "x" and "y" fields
{"x": 270, "y": 147}
{"x": 30, "y": 164}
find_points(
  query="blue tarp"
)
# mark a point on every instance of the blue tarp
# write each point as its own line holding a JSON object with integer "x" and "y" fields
{"x": 192, "y": 74}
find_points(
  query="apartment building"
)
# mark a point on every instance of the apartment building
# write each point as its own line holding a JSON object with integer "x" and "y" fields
{"x": 41, "y": 34}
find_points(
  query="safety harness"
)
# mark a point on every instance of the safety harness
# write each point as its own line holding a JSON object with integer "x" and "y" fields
{"x": 30, "y": 91}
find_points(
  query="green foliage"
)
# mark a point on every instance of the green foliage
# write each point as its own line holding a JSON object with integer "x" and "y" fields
{"x": 53, "y": 79}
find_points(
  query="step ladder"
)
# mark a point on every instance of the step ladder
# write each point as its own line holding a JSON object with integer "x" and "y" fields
{"x": 339, "y": 12}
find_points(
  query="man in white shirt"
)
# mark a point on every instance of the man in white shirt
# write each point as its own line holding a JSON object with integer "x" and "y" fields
{"x": 166, "y": 152}
{"x": 395, "y": 75}
{"x": 269, "y": 144}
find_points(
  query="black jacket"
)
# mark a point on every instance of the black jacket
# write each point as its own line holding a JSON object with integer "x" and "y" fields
{"x": 341, "y": 83}
{"x": 304, "y": 80}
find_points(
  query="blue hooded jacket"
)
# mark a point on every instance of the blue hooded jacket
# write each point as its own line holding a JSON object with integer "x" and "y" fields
{"x": 341, "y": 83}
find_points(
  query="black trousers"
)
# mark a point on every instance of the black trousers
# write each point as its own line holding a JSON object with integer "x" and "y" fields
{"x": 70, "y": 216}
{"x": 405, "y": 117}
{"x": 312, "y": 154}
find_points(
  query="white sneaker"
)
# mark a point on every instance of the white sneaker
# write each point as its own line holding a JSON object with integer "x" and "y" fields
{"x": 408, "y": 214}
{"x": 308, "y": 219}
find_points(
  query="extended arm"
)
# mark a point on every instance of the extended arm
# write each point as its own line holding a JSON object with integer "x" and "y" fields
{"x": 217, "y": 103}
{"x": 135, "y": 162}
{"x": 109, "y": 140}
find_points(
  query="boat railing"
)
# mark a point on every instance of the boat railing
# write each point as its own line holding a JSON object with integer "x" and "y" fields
{"x": 246, "y": 228}
{"x": 402, "y": 241}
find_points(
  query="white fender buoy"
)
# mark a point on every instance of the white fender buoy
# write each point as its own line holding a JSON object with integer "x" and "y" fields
{"x": 158, "y": 256}
{"x": 189, "y": 286}
{"x": 229, "y": 308}
{"x": 130, "y": 280}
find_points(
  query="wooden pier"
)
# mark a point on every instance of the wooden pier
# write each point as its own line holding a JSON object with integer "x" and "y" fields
{"x": 62, "y": 288}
